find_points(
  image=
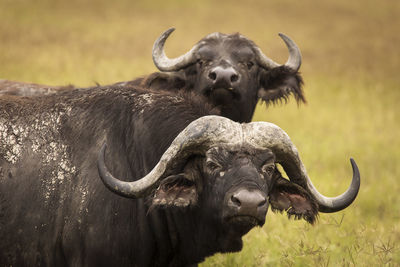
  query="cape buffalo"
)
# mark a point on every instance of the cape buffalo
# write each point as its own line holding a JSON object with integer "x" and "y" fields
{"x": 180, "y": 182}
{"x": 230, "y": 70}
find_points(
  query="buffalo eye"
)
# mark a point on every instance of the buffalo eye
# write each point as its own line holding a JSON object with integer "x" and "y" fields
{"x": 246, "y": 64}
{"x": 268, "y": 169}
{"x": 203, "y": 62}
{"x": 249, "y": 65}
{"x": 213, "y": 166}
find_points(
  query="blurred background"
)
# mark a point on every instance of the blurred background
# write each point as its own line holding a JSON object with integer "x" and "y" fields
{"x": 351, "y": 64}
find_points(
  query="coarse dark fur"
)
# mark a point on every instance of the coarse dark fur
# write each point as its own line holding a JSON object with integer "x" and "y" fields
{"x": 55, "y": 211}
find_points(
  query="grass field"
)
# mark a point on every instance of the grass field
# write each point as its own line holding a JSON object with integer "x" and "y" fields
{"x": 351, "y": 60}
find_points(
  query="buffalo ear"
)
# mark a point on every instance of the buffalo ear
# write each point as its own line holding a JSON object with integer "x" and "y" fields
{"x": 175, "y": 191}
{"x": 164, "y": 81}
{"x": 295, "y": 200}
{"x": 279, "y": 83}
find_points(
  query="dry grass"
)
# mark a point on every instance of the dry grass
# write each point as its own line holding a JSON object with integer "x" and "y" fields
{"x": 351, "y": 56}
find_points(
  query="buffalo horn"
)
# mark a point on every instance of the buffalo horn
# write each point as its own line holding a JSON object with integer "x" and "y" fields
{"x": 196, "y": 138}
{"x": 293, "y": 62}
{"x": 264, "y": 134}
{"x": 163, "y": 63}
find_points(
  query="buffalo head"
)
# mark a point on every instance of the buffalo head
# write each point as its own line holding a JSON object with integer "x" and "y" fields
{"x": 232, "y": 72}
{"x": 225, "y": 173}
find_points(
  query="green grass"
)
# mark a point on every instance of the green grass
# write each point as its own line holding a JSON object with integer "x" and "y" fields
{"x": 351, "y": 59}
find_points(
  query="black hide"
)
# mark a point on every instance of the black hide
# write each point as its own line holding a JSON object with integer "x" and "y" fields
{"x": 55, "y": 210}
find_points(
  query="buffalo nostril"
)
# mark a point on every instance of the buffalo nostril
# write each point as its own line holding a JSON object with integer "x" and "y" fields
{"x": 212, "y": 76}
{"x": 235, "y": 201}
{"x": 234, "y": 78}
{"x": 246, "y": 199}
{"x": 262, "y": 203}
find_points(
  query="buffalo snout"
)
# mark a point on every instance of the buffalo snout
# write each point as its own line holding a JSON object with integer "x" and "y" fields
{"x": 224, "y": 77}
{"x": 247, "y": 205}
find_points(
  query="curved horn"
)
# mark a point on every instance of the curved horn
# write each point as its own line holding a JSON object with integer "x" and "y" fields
{"x": 162, "y": 62}
{"x": 196, "y": 138}
{"x": 263, "y": 134}
{"x": 293, "y": 62}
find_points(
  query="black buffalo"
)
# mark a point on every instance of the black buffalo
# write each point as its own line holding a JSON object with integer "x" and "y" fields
{"x": 231, "y": 71}
{"x": 190, "y": 183}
